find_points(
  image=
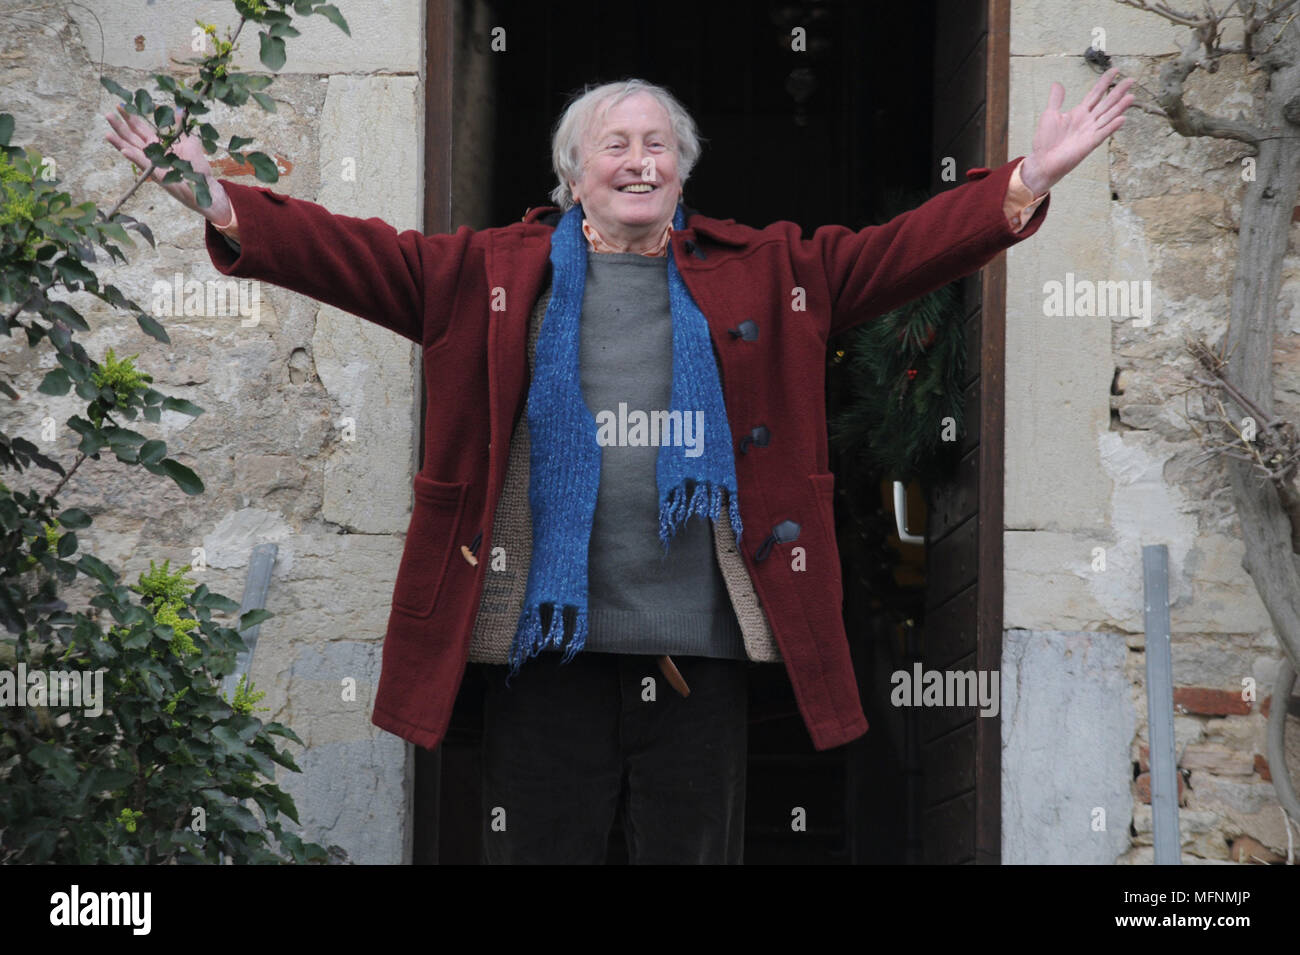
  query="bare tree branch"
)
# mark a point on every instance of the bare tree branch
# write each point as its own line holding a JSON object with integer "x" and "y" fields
{"x": 1183, "y": 19}
{"x": 1189, "y": 120}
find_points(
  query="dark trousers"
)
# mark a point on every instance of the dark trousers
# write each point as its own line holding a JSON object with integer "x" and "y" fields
{"x": 565, "y": 744}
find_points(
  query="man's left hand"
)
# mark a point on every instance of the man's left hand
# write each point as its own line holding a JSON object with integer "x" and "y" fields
{"x": 1062, "y": 140}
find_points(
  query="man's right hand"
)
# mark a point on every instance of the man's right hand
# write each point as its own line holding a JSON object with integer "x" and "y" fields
{"x": 131, "y": 134}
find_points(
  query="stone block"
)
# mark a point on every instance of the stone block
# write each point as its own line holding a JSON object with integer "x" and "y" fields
{"x": 1066, "y": 730}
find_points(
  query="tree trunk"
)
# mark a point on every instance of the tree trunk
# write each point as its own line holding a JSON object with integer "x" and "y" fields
{"x": 1266, "y": 214}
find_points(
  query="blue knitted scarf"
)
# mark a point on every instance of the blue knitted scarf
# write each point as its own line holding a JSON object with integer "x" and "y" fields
{"x": 565, "y": 458}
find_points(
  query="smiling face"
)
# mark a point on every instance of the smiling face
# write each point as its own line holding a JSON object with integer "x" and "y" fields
{"x": 632, "y": 146}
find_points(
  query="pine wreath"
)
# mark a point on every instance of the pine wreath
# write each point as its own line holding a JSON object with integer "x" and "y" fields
{"x": 902, "y": 375}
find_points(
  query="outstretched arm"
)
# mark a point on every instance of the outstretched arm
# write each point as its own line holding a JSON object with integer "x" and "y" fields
{"x": 362, "y": 266}
{"x": 876, "y": 269}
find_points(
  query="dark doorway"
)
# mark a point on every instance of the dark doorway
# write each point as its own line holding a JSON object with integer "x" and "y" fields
{"x": 816, "y": 137}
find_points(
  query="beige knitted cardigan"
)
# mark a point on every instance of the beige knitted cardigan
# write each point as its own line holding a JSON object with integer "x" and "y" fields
{"x": 512, "y": 545}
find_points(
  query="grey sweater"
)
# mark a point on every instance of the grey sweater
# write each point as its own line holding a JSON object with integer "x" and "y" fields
{"x": 638, "y": 600}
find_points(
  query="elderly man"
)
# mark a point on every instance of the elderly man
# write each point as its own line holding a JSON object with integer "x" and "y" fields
{"x": 598, "y": 374}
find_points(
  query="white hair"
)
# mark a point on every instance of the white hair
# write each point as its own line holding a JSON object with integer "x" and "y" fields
{"x": 576, "y": 120}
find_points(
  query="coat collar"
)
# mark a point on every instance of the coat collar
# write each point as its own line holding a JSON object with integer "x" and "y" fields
{"x": 725, "y": 231}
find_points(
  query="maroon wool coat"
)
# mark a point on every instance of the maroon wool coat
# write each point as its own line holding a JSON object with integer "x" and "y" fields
{"x": 465, "y": 297}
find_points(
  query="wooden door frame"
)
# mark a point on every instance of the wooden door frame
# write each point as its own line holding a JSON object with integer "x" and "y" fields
{"x": 438, "y": 67}
{"x": 992, "y": 472}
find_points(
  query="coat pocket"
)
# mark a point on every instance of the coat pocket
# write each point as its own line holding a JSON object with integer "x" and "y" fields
{"x": 430, "y": 540}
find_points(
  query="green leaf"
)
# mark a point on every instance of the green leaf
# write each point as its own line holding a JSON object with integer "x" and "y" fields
{"x": 183, "y": 406}
{"x": 67, "y": 235}
{"x": 331, "y": 13}
{"x": 67, "y": 544}
{"x": 122, "y": 439}
{"x": 151, "y": 327}
{"x": 115, "y": 88}
{"x": 217, "y": 602}
{"x": 253, "y": 618}
{"x": 107, "y": 780}
{"x": 67, "y": 314}
{"x": 151, "y": 452}
{"x": 238, "y": 142}
{"x": 43, "y": 843}
{"x": 6, "y": 128}
{"x": 285, "y": 759}
{"x": 241, "y": 817}
{"x": 113, "y": 295}
{"x": 137, "y": 639}
{"x": 145, "y": 231}
{"x": 264, "y": 765}
{"x": 56, "y": 382}
{"x": 116, "y": 231}
{"x": 285, "y": 803}
{"x": 73, "y": 271}
{"x": 247, "y": 727}
{"x": 57, "y": 761}
{"x": 264, "y": 166}
{"x": 294, "y": 845}
{"x": 94, "y": 567}
{"x": 227, "y": 738}
{"x": 74, "y": 518}
{"x": 143, "y": 102}
{"x": 265, "y": 102}
{"x": 272, "y": 51}
{"x": 187, "y": 480}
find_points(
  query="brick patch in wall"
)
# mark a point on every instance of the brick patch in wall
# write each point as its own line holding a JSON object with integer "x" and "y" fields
{"x": 1207, "y": 701}
{"x": 1143, "y": 783}
{"x": 227, "y": 168}
{"x": 1261, "y": 767}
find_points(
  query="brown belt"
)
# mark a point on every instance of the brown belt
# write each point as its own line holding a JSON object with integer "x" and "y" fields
{"x": 673, "y": 675}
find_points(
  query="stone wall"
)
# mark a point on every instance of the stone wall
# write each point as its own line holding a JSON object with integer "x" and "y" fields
{"x": 309, "y": 434}
{"x": 1100, "y": 455}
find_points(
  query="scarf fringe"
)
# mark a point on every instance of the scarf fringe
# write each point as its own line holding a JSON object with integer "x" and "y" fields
{"x": 705, "y": 500}
{"x": 530, "y": 640}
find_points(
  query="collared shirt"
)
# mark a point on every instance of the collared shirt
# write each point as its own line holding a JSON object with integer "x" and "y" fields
{"x": 596, "y": 244}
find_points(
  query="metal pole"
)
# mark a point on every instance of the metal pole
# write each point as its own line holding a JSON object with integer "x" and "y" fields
{"x": 1160, "y": 705}
{"x": 256, "y": 586}
{"x": 255, "y": 589}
